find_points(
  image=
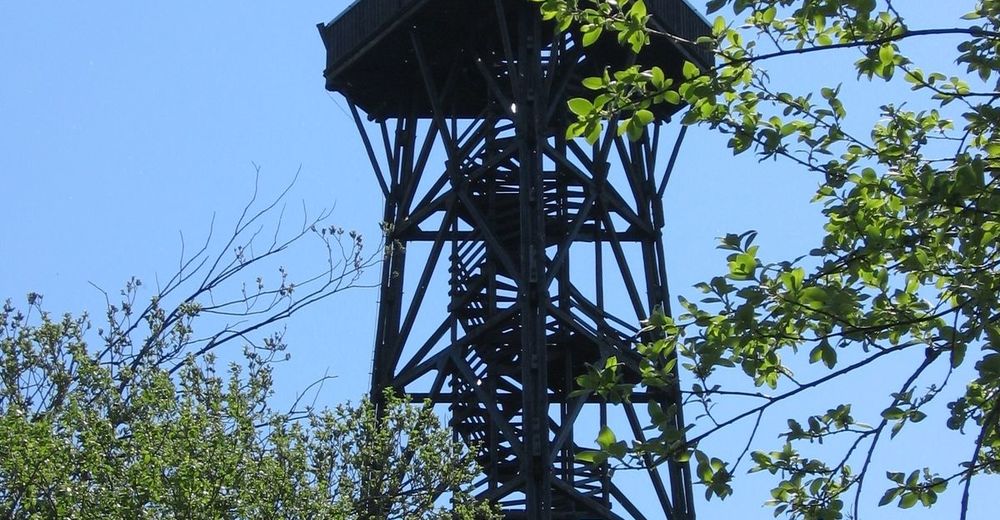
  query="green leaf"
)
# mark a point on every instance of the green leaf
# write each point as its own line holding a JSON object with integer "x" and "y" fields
{"x": 593, "y": 133}
{"x": 829, "y": 356}
{"x": 915, "y": 76}
{"x": 886, "y": 53}
{"x": 768, "y": 15}
{"x": 816, "y": 354}
{"x": 606, "y": 437}
{"x": 656, "y": 73}
{"x": 989, "y": 366}
{"x": 908, "y": 500}
{"x": 637, "y": 40}
{"x": 690, "y": 70}
{"x": 634, "y": 130}
{"x": 792, "y": 280}
{"x": 617, "y": 450}
{"x": 593, "y": 83}
{"x": 592, "y": 457}
{"x": 638, "y": 9}
{"x": 814, "y": 297}
{"x": 742, "y": 266}
{"x": 623, "y": 127}
{"x": 705, "y": 472}
{"x": 580, "y": 106}
{"x": 592, "y": 35}
{"x": 643, "y": 117}
{"x": 656, "y": 412}
{"x": 889, "y": 496}
{"x": 893, "y": 413}
{"x": 957, "y": 353}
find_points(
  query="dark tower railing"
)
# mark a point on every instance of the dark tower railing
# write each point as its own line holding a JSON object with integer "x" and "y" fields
{"x": 512, "y": 249}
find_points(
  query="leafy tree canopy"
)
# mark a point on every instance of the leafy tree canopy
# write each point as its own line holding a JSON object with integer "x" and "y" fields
{"x": 906, "y": 275}
{"x": 141, "y": 421}
{"x": 204, "y": 442}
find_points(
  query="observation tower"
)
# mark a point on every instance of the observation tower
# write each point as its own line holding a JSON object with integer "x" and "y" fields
{"x": 516, "y": 257}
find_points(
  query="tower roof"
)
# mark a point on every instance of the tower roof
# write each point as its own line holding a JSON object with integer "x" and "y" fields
{"x": 371, "y": 57}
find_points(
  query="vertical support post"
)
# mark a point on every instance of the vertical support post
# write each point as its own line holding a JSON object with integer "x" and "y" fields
{"x": 533, "y": 293}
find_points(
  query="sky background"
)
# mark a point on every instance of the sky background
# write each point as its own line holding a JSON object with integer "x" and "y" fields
{"x": 127, "y": 125}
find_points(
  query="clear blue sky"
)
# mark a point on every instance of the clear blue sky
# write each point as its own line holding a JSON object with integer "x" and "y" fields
{"x": 124, "y": 124}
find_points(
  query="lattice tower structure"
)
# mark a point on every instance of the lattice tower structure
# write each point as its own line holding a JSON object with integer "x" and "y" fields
{"x": 509, "y": 245}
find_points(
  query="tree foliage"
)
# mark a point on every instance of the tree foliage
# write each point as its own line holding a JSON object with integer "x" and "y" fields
{"x": 906, "y": 275}
{"x": 140, "y": 420}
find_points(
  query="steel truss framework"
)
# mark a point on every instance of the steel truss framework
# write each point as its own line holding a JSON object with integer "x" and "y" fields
{"x": 514, "y": 204}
